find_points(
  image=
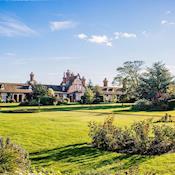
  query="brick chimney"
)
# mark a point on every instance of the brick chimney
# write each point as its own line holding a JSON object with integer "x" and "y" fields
{"x": 83, "y": 81}
{"x": 105, "y": 82}
{"x": 32, "y": 80}
{"x": 64, "y": 78}
{"x": 68, "y": 75}
{"x": 32, "y": 76}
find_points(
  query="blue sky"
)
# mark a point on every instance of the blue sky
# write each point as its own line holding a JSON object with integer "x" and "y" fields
{"x": 88, "y": 37}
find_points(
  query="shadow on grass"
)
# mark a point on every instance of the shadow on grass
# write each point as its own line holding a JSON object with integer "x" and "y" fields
{"x": 69, "y": 108}
{"x": 8, "y": 106}
{"x": 131, "y": 112}
{"x": 89, "y": 107}
{"x": 85, "y": 156}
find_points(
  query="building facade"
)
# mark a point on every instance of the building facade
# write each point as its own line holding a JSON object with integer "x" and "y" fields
{"x": 71, "y": 87}
{"x": 111, "y": 93}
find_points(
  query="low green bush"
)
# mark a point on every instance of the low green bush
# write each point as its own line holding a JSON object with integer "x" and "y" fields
{"x": 33, "y": 102}
{"x": 46, "y": 100}
{"x": 161, "y": 105}
{"x": 142, "y": 105}
{"x": 66, "y": 101}
{"x": 171, "y": 104}
{"x": 13, "y": 159}
{"x": 146, "y": 105}
{"x": 163, "y": 140}
{"x": 141, "y": 138}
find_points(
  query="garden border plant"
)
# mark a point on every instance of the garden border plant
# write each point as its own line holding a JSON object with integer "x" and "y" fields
{"x": 143, "y": 137}
{"x": 13, "y": 158}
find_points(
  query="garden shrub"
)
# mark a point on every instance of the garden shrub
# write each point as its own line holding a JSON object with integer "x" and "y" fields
{"x": 171, "y": 104}
{"x": 24, "y": 103}
{"x": 102, "y": 134}
{"x": 141, "y": 138}
{"x": 142, "y": 105}
{"x": 163, "y": 140}
{"x": 13, "y": 158}
{"x": 159, "y": 105}
{"x": 109, "y": 137}
{"x": 66, "y": 101}
{"x": 45, "y": 100}
{"x": 33, "y": 102}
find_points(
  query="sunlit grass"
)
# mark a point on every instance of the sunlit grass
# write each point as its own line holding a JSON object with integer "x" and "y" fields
{"x": 57, "y": 137}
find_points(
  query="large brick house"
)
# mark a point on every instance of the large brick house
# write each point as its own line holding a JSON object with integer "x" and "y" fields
{"x": 72, "y": 87}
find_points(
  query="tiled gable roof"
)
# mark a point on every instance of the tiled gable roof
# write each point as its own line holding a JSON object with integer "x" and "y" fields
{"x": 55, "y": 87}
{"x": 111, "y": 90}
{"x": 14, "y": 88}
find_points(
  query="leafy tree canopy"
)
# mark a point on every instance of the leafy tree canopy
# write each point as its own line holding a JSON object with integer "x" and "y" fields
{"x": 155, "y": 82}
{"x": 128, "y": 77}
{"x": 39, "y": 91}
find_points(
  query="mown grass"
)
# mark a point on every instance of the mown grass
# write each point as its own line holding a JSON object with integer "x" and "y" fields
{"x": 57, "y": 138}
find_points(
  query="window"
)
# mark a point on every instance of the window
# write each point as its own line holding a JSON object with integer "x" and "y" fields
{"x": 2, "y": 87}
{"x": 63, "y": 88}
{"x": 30, "y": 87}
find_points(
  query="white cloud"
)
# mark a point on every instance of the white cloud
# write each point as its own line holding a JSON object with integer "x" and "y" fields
{"x": 82, "y": 36}
{"x": 119, "y": 35}
{"x": 60, "y": 25}
{"x": 98, "y": 39}
{"x": 165, "y": 22}
{"x": 12, "y": 27}
{"x": 105, "y": 40}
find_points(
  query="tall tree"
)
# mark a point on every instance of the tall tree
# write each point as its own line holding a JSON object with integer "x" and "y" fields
{"x": 99, "y": 94}
{"x": 50, "y": 92}
{"x": 155, "y": 82}
{"x": 39, "y": 91}
{"x": 90, "y": 84}
{"x": 89, "y": 96}
{"x": 128, "y": 77}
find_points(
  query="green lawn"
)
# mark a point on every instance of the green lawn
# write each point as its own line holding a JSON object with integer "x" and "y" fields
{"x": 57, "y": 138}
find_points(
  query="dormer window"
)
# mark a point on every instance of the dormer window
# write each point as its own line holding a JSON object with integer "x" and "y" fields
{"x": 63, "y": 88}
